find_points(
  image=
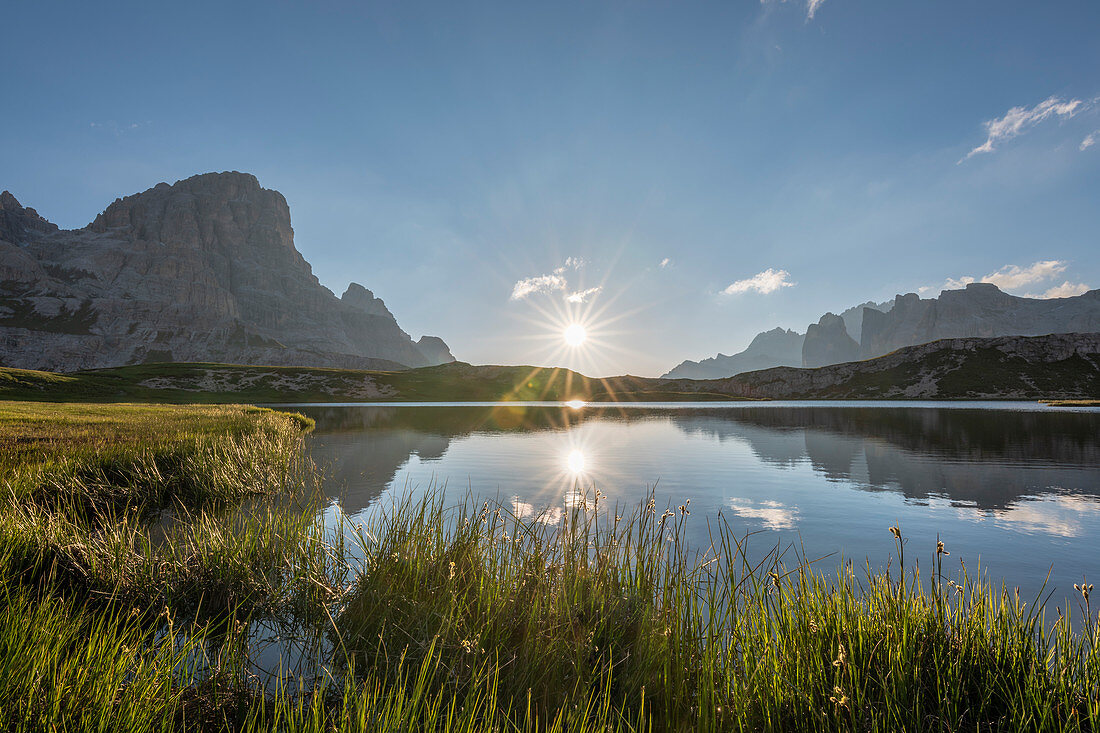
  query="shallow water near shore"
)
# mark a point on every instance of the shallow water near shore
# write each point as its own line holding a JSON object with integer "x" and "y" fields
{"x": 1012, "y": 486}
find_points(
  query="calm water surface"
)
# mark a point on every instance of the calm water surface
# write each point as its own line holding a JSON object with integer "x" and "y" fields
{"x": 1016, "y": 485}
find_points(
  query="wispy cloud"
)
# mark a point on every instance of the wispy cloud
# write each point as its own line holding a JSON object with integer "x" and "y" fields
{"x": 764, "y": 282}
{"x": 1019, "y": 120}
{"x": 579, "y": 296}
{"x": 553, "y": 282}
{"x": 1089, "y": 140}
{"x": 118, "y": 128}
{"x": 538, "y": 284}
{"x": 811, "y": 6}
{"x": 1014, "y": 277}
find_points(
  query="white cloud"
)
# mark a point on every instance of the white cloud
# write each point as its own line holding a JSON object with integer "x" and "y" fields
{"x": 1065, "y": 290}
{"x": 1011, "y": 277}
{"x": 1014, "y": 277}
{"x": 580, "y": 296}
{"x": 1018, "y": 120}
{"x": 1089, "y": 140}
{"x": 764, "y": 282}
{"x": 539, "y": 284}
{"x": 553, "y": 282}
{"x": 664, "y": 263}
{"x": 957, "y": 284}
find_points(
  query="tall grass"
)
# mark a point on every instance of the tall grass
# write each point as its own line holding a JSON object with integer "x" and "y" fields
{"x": 136, "y": 575}
{"x": 613, "y": 620}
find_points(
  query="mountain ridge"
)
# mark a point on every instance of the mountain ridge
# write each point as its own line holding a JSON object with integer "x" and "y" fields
{"x": 869, "y": 330}
{"x": 1063, "y": 366}
{"x": 1060, "y": 366}
{"x": 204, "y": 269}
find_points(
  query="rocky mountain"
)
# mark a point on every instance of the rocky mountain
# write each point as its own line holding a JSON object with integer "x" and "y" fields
{"x": 778, "y": 347}
{"x": 828, "y": 342}
{"x": 979, "y": 310}
{"x": 201, "y": 270}
{"x": 782, "y": 347}
{"x": 1062, "y": 366}
{"x": 853, "y": 317}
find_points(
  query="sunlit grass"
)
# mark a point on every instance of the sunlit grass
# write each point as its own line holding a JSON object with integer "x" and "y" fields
{"x": 618, "y": 615}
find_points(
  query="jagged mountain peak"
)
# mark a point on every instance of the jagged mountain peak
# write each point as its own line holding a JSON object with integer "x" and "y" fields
{"x": 363, "y": 299}
{"x": 19, "y": 223}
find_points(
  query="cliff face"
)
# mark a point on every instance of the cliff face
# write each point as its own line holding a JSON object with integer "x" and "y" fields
{"x": 853, "y": 317}
{"x": 828, "y": 342}
{"x": 980, "y": 310}
{"x": 202, "y": 270}
{"x": 777, "y": 347}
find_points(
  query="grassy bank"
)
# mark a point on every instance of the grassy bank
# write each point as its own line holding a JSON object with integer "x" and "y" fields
{"x": 141, "y": 547}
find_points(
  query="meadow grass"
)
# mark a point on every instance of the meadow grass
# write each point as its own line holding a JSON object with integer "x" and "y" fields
{"x": 140, "y": 546}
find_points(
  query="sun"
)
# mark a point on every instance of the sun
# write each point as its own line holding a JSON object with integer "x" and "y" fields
{"x": 575, "y": 335}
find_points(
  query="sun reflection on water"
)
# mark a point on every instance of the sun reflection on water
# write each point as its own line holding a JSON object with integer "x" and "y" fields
{"x": 575, "y": 461}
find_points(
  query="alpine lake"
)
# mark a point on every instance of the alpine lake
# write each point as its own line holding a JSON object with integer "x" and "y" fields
{"x": 1012, "y": 489}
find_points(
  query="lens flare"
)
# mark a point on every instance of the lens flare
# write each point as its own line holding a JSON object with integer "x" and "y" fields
{"x": 575, "y": 334}
{"x": 575, "y": 404}
{"x": 575, "y": 461}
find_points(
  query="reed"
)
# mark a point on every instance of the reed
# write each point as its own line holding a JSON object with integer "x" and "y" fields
{"x": 604, "y": 613}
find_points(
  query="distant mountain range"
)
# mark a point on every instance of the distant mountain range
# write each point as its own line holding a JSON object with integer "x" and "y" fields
{"x": 1059, "y": 366}
{"x": 980, "y": 310}
{"x": 1056, "y": 366}
{"x": 201, "y": 270}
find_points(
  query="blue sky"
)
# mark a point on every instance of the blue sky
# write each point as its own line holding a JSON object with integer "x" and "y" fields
{"x": 477, "y": 164}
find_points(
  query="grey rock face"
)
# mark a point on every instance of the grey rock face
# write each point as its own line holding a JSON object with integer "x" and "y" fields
{"x": 359, "y": 297}
{"x": 435, "y": 350}
{"x": 778, "y": 347}
{"x": 828, "y": 342}
{"x": 202, "y": 270}
{"x": 979, "y": 310}
{"x": 853, "y": 317}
